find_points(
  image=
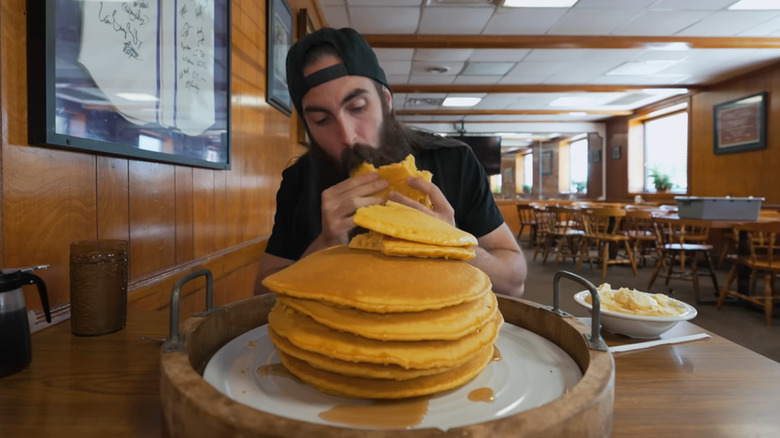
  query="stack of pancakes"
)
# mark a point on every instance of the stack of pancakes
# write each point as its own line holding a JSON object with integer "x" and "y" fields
{"x": 361, "y": 323}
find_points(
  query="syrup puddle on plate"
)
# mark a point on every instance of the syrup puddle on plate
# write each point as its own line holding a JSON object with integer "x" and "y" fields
{"x": 395, "y": 414}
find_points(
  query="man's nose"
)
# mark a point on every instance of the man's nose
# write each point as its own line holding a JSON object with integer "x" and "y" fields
{"x": 347, "y": 132}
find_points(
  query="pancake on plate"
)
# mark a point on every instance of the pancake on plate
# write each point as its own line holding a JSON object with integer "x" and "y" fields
{"x": 350, "y": 386}
{"x": 448, "y": 323}
{"x": 370, "y": 281}
{"x": 305, "y": 333}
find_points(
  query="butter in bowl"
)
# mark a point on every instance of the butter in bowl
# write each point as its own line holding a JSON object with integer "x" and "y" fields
{"x": 636, "y": 314}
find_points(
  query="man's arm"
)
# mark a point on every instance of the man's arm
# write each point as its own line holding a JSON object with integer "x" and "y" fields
{"x": 499, "y": 256}
{"x": 269, "y": 264}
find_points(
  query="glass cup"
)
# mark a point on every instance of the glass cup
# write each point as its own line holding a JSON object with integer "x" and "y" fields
{"x": 98, "y": 287}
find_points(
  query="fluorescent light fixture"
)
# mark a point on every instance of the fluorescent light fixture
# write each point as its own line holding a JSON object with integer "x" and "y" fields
{"x": 137, "y": 97}
{"x": 641, "y": 68}
{"x": 669, "y": 46}
{"x": 514, "y": 134}
{"x": 571, "y": 101}
{"x": 664, "y": 91}
{"x": 461, "y": 101}
{"x": 539, "y": 3}
{"x": 755, "y": 5}
{"x": 578, "y": 113}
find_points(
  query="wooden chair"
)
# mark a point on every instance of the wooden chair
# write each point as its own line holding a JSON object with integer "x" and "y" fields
{"x": 682, "y": 242}
{"x": 602, "y": 228}
{"x": 542, "y": 228}
{"x": 763, "y": 240}
{"x": 525, "y": 212}
{"x": 638, "y": 226}
{"x": 564, "y": 234}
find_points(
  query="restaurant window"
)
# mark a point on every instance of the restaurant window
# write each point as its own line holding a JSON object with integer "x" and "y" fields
{"x": 578, "y": 169}
{"x": 528, "y": 172}
{"x": 666, "y": 151}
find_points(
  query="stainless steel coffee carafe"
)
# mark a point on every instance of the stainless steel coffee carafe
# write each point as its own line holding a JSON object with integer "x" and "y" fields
{"x": 15, "y": 345}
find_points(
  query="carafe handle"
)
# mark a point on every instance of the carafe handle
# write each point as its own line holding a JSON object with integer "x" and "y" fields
{"x": 28, "y": 278}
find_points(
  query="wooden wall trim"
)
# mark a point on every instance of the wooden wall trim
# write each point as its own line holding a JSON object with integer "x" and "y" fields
{"x": 150, "y": 289}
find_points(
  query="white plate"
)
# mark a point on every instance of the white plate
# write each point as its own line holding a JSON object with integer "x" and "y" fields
{"x": 532, "y": 371}
{"x": 638, "y": 326}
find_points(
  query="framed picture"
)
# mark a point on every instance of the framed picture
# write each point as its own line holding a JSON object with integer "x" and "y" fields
{"x": 616, "y": 152}
{"x": 124, "y": 79}
{"x": 303, "y": 27}
{"x": 740, "y": 125}
{"x": 595, "y": 156}
{"x": 547, "y": 163}
{"x": 279, "y": 37}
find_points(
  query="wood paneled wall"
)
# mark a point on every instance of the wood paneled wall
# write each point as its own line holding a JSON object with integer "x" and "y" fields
{"x": 176, "y": 218}
{"x": 751, "y": 173}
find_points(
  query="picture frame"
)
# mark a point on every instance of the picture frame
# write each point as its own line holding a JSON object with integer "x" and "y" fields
{"x": 616, "y": 152}
{"x": 595, "y": 156}
{"x": 740, "y": 125}
{"x": 115, "y": 78}
{"x": 303, "y": 27}
{"x": 547, "y": 163}
{"x": 279, "y": 37}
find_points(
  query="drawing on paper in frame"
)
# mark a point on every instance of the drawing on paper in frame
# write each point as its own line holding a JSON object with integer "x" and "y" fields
{"x": 143, "y": 79}
{"x": 740, "y": 125}
{"x": 279, "y": 39}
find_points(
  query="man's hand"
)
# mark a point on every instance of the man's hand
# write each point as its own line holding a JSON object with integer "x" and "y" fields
{"x": 340, "y": 202}
{"x": 441, "y": 207}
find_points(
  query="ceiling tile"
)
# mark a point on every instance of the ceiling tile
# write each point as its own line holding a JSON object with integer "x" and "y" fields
{"x": 385, "y": 2}
{"x": 660, "y": 23}
{"x": 683, "y": 5}
{"x": 499, "y": 54}
{"x": 591, "y": 21}
{"x": 477, "y": 80}
{"x": 632, "y": 4}
{"x": 487, "y": 68}
{"x": 442, "y": 54}
{"x": 431, "y": 80}
{"x": 464, "y": 21}
{"x": 394, "y": 54}
{"x": 371, "y": 20}
{"x": 397, "y": 67}
{"x": 728, "y": 23}
{"x": 336, "y": 15}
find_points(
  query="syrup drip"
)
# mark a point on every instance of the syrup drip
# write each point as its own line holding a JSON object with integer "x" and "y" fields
{"x": 496, "y": 354}
{"x": 482, "y": 395}
{"x": 394, "y": 414}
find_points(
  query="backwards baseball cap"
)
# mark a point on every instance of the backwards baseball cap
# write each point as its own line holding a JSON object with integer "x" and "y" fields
{"x": 357, "y": 57}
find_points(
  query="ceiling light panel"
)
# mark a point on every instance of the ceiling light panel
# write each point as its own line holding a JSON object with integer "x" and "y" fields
{"x": 756, "y": 5}
{"x": 539, "y": 3}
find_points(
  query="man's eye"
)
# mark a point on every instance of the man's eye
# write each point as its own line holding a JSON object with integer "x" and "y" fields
{"x": 357, "y": 108}
{"x": 320, "y": 122}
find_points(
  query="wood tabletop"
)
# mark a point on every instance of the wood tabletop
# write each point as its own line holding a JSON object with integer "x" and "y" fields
{"x": 109, "y": 386}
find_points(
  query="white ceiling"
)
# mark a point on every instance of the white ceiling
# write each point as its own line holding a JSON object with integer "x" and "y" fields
{"x": 574, "y": 69}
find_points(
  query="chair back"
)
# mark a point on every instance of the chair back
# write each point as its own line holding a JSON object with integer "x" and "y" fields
{"x": 763, "y": 241}
{"x": 603, "y": 221}
{"x": 525, "y": 212}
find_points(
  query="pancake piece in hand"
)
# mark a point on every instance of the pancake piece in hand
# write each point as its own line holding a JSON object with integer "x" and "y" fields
{"x": 402, "y": 222}
{"x": 349, "y": 386}
{"x": 370, "y": 281}
{"x": 449, "y": 323}
{"x": 307, "y": 334}
{"x": 395, "y": 174}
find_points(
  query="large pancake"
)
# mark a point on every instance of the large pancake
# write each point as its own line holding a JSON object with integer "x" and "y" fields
{"x": 310, "y": 335}
{"x": 396, "y": 174}
{"x": 370, "y": 281}
{"x": 448, "y": 323}
{"x": 357, "y": 369}
{"x": 397, "y": 220}
{"x": 406, "y": 248}
{"x": 349, "y": 386}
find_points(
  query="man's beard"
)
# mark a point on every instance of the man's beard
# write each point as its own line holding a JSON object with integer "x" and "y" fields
{"x": 393, "y": 147}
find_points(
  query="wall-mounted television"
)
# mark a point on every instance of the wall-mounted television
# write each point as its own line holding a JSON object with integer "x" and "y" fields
{"x": 487, "y": 149}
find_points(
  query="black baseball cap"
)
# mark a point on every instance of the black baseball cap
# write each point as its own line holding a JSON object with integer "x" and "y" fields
{"x": 358, "y": 59}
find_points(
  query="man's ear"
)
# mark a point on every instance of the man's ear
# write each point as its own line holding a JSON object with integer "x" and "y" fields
{"x": 388, "y": 98}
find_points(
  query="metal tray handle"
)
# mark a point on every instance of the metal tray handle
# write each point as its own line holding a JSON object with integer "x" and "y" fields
{"x": 595, "y": 341}
{"x": 175, "y": 340}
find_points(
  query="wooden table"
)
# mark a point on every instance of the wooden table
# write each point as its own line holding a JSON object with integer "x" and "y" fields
{"x": 108, "y": 386}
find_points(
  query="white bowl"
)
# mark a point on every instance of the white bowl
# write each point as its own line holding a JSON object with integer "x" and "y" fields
{"x": 638, "y": 326}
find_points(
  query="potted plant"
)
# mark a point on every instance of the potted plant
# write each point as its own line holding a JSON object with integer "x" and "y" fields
{"x": 661, "y": 181}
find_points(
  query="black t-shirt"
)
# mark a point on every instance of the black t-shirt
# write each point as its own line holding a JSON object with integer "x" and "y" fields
{"x": 455, "y": 170}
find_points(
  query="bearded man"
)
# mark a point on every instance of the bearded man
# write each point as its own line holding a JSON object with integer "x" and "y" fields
{"x": 344, "y": 99}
